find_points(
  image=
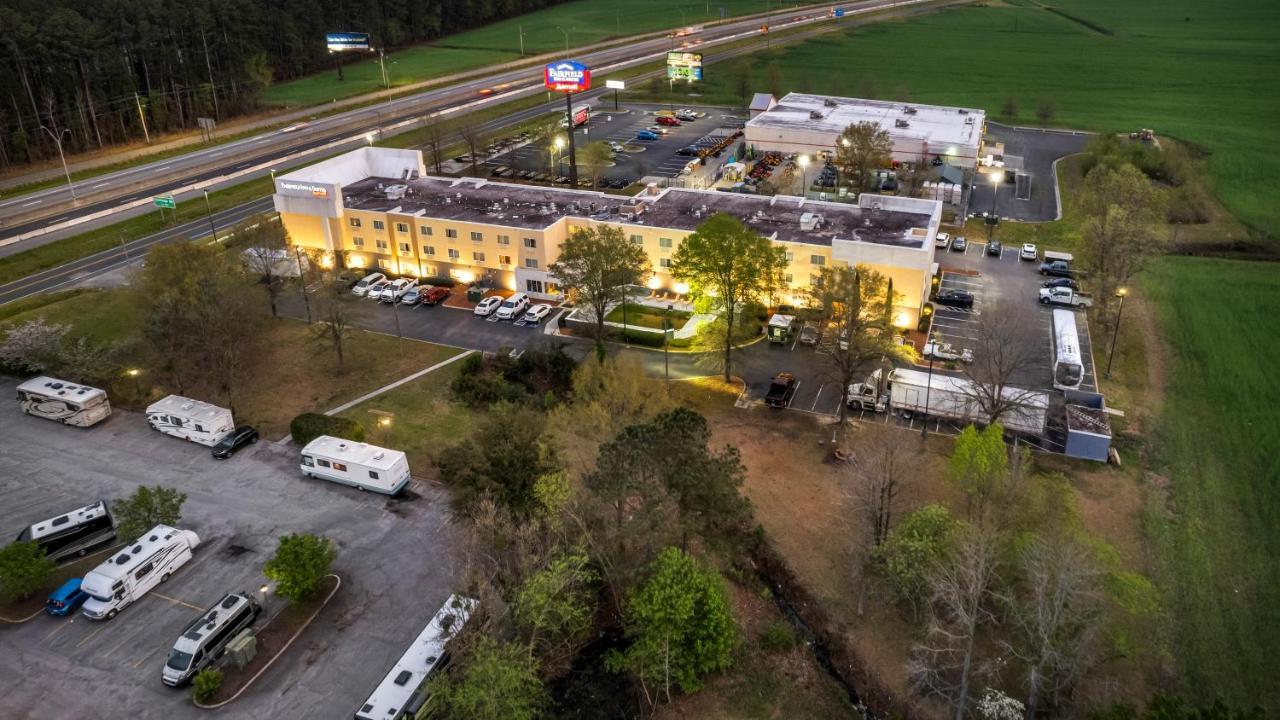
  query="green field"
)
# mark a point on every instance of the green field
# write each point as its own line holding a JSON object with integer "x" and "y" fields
{"x": 1217, "y": 541}
{"x": 587, "y": 22}
{"x": 1201, "y": 72}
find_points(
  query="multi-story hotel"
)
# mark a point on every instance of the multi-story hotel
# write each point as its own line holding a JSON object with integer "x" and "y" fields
{"x": 376, "y": 208}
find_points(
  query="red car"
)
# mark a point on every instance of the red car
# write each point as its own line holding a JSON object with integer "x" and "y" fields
{"x": 435, "y": 295}
{"x": 668, "y": 120}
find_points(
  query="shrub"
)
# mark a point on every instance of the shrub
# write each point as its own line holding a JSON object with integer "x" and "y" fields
{"x": 206, "y": 684}
{"x": 300, "y": 563}
{"x": 146, "y": 508}
{"x": 24, "y": 569}
{"x": 309, "y": 426}
{"x": 777, "y": 637}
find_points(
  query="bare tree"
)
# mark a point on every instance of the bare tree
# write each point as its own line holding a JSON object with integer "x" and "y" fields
{"x": 912, "y": 176}
{"x": 882, "y": 467}
{"x": 1057, "y": 619}
{"x": 474, "y": 139}
{"x": 265, "y": 244}
{"x": 946, "y": 664}
{"x": 1123, "y": 213}
{"x": 1045, "y": 110}
{"x": 333, "y": 325}
{"x": 1006, "y": 346}
{"x": 596, "y": 157}
{"x": 434, "y": 131}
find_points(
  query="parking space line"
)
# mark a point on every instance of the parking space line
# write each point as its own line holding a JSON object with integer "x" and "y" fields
{"x": 794, "y": 393}
{"x": 60, "y": 628}
{"x": 144, "y": 657}
{"x": 175, "y": 600}
{"x": 91, "y": 635}
{"x": 814, "y": 406}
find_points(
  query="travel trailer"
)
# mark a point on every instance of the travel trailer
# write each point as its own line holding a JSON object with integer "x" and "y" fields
{"x": 68, "y": 403}
{"x": 189, "y": 419}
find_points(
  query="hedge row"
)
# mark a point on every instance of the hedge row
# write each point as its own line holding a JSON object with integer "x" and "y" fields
{"x": 309, "y": 426}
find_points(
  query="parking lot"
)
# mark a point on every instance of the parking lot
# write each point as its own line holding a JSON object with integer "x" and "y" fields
{"x": 1033, "y": 152}
{"x": 76, "y": 668}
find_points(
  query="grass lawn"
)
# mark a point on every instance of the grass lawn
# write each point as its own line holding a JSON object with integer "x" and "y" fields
{"x": 1216, "y": 536}
{"x": 1187, "y": 69}
{"x": 648, "y": 317}
{"x": 588, "y": 22}
{"x": 21, "y": 609}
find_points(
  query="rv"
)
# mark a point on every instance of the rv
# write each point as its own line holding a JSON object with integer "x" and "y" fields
{"x": 936, "y": 395}
{"x": 73, "y": 534}
{"x": 360, "y": 465}
{"x": 135, "y": 570}
{"x": 203, "y": 641}
{"x": 190, "y": 419}
{"x": 401, "y": 694}
{"x": 68, "y": 403}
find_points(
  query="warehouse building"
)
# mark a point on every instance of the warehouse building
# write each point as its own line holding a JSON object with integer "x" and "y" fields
{"x": 810, "y": 124}
{"x": 377, "y": 208}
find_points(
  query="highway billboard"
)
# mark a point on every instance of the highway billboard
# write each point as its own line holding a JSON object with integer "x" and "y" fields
{"x": 684, "y": 66}
{"x": 567, "y": 76}
{"x": 340, "y": 42}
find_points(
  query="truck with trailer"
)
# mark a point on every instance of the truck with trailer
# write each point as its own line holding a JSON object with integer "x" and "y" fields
{"x": 1065, "y": 296}
{"x": 360, "y": 465}
{"x": 193, "y": 420}
{"x": 132, "y": 572}
{"x": 944, "y": 396}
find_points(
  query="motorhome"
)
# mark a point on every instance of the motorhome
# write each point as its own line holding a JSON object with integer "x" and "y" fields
{"x": 135, "y": 570}
{"x": 68, "y": 403}
{"x": 203, "y": 641}
{"x": 194, "y": 420}
{"x": 360, "y": 465}
{"x": 402, "y": 693}
{"x": 73, "y": 534}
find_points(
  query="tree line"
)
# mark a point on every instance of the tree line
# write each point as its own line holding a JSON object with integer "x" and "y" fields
{"x": 100, "y": 72}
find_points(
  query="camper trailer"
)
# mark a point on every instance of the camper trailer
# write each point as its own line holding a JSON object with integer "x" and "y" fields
{"x": 360, "y": 465}
{"x": 134, "y": 571}
{"x": 189, "y": 419}
{"x": 73, "y": 534}
{"x": 68, "y": 403}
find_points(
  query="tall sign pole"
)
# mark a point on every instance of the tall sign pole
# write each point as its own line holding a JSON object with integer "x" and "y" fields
{"x": 573, "y": 157}
{"x": 568, "y": 77}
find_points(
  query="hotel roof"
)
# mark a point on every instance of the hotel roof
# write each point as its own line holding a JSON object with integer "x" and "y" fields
{"x": 824, "y": 114}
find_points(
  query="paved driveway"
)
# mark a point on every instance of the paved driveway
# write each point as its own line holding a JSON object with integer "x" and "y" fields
{"x": 397, "y": 560}
{"x": 1031, "y": 151}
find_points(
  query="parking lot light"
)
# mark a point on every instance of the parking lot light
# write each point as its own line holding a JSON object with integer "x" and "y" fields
{"x": 1115, "y": 331}
{"x": 804, "y": 173}
{"x": 137, "y": 384}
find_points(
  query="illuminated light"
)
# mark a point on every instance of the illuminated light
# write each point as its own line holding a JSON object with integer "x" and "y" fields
{"x": 902, "y": 320}
{"x": 464, "y": 276}
{"x": 803, "y": 160}
{"x": 369, "y": 138}
{"x": 951, "y": 150}
{"x": 384, "y": 421}
{"x": 264, "y": 589}
{"x": 655, "y": 282}
{"x": 997, "y": 177}
{"x": 133, "y": 372}
{"x": 1121, "y": 292}
{"x": 559, "y": 141}
{"x": 326, "y": 261}
{"x": 681, "y": 288}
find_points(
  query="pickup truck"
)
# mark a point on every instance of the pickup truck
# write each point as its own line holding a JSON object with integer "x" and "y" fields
{"x": 1065, "y": 296}
{"x": 1057, "y": 268}
{"x": 781, "y": 389}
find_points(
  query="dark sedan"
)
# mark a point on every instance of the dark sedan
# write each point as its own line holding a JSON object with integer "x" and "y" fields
{"x": 955, "y": 298}
{"x": 994, "y": 248}
{"x": 240, "y": 437}
{"x": 1061, "y": 282}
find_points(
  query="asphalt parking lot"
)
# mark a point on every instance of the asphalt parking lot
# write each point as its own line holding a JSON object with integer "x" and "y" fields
{"x": 396, "y": 559}
{"x": 1032, "y": 151}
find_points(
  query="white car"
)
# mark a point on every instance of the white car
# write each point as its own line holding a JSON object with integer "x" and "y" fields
{"x": 396, "y": 290}
{"x": 616, "y": 147}
{"x": 513, "y": 307}
{"x": 412, "y": 296}
{"x": 488, "y": 306}
{"x": 942, "y": 241}
{"x": 1028, "y": 252}
{"x": 363, "y": 286}
{"x": 375, "y": 289}
{"x": 536, "y": 313}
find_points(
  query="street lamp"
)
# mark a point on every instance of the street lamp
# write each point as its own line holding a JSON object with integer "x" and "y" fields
{"x": 666, "y": 340}
{"x": 369, "y": 139}
{"x": 137, "y": 385}
{"x": 924, "y": 426}
{"x": 57, "y": 140}
{"x": 566, "y": 37}
{"x": 997, "y": 177}
{"x": 1115, "y": 332}
{"x": 213, "y": 230}
{"x": 804, "y": 174}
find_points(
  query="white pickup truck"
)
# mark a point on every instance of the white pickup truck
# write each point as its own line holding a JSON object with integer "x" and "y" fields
{"x": 1065, "y": 296}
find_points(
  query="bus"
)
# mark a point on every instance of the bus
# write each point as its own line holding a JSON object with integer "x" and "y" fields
{"x": 73, "y": 534}
{"x": 1068, "y": 369}
{"x": 402, "y": 693}
{"x": 68, "y": 403}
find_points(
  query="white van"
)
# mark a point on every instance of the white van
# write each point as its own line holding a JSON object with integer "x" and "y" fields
{"x": 132, "y": 572}
{"x": 513, "y": 307}
{"x": 203, "y": 641}
{"x": 194, "y": 420}
{"x": 360, "y": 465}
{"x": 362, "y": 287}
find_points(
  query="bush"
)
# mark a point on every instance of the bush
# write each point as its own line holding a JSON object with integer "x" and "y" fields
{"x": 640, "y": 337}
{"x": 206, "y": 684}
{"x": 777, "y": 637}
{"x": 24, "y": 569}
{"x": 146, "y": 508}
{"x": 309, "y": 426}
{"x": 300, "y": 563}
{"x": 440, "y": 281}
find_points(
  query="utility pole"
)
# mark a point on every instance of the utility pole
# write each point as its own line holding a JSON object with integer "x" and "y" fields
{"x": 125, "y": 248}
{"x": 142, "y": 117}
{"x": 213, "y": 230}
{"x": 57, "y": 140}
{"x": 521, "y": 40}
{"x": 1115, "y": 332}
{"x": 213, "y": 89}
{"x": 386, "y": 83}
{"x": 924, "y": 427}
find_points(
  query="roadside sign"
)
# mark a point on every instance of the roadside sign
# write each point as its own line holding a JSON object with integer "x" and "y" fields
{"x": 615, "y": 84}
{"x": 342, "y": 41}
{"x": 165, "y": 201}
{"x": 684, "y": 66}
{"x": 839, "y": 12}
{"x": 567, "y": 76}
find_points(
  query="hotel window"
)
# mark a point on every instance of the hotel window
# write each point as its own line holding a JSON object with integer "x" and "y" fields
{"x": 787, "y": 278}
{"x": 533, "y": 286}
{"x": 530, "y": 263}
{"x": 382, "y": 244}
{"x": 790, "y": 256}
{"x": 402, "y": 227}
{"x": 453, "y": 254}
{"x": 504, "y": 259}
{"x": 404, "y": 248}
{"x": 504, "y": 239}
{"x": 664, "y": 262}
{"x": 477, "y": 256}
{"x": 817, "y": 260}
{"x": 664, "y": 242}
{"x": 531, "y": 242}
{"x": 637, "y": 239}
{"x": 379, "y": 225}
{"x": 477, "y": 237}
{"x": 451, "y": 233}
{"x": 357, "y": 241}
{"x": 355, "y": 222}
{"x": 428, "y": 250}
{"x": 424, "y": 230}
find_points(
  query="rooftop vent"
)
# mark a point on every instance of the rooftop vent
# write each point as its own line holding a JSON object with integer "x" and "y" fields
{"x": 909, "y": 110}
{"x": 810, "y": 221}
{"x": 829, "y": 102}
{"x": 962, "y": 111}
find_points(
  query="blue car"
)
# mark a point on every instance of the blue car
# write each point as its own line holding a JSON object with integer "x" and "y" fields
{"x": 646, "y": 135}
{"x": 66, "y": 599}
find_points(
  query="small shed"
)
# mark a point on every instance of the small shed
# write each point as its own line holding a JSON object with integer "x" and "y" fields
{"x": 1088, "y": 432}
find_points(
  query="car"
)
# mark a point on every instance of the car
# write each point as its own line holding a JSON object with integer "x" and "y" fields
{"x": 412, "y": 296}
{"x": 688, "y": 151}
{"x": 536, "y": 313}
{"x": 617, "y": 146}
{"x": 944, "y": 351}
{"x": 959, "y": 244}
{"x": 658, "y": 130}
{"x": 943, "y": 240}
{"x": 668, "y": 120}
{"x": 395, "y": 289}
{"x": 362, "y": 286}
{"x": 435, "y": 295}
{"x": 66, "y": 599}
{"x": 1065, "y": 282}
{"x": 646, "y": 135}
{"x": 781, "y": 389}
{"x": 954, "y": 298}
{"x": 236, "y": 439}
{"x": 994, "y": 248}
{"x": 1028, "y": 252}
{"x": 809, "y": 335}
{"x": 374, "y": 291}
{"x": 686, "y": 115}
{"x": 488, "y": 306}
{"x": 513, "y": 307}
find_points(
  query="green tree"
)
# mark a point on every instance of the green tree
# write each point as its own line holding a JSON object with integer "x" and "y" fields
{"x": 595, "y": 266}
{"x": 1045, "y": 110}
{"x": 499, "y": 682}
{"x": 146, "y": 508}
{"x": 1121, "y": 231}
{"x": 728, "y": 260}
{"x": 918, "y": 543}
{"x": 206, "y": 684}
{"x": 502, "y": 457}
{"x": 555, "y": 606}
{"x": 773, "y": 79}
{"x": 979, "y": 464}
{"x": 680, "y": 627}
{"x": 1009, "y": 108}
{"x": 595, "y": 158}
{"x": 300, "y": 563}
{"x": 24, "y": 569}
{"x": 861, "y": 148}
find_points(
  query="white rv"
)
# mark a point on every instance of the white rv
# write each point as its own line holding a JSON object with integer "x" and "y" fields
{"x": 401, "y": 694}
{"x": 360, "y": 465}
{"x": 132, "y": 572}
{"x": 189, "y": 419}
{"x": 68, "y": 403}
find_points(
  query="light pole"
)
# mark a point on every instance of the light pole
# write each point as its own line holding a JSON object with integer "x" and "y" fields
{"x": 1115, "y": 332}
{"x": 137, "y": 384}
{"x": 804, "y": 174}
{"x": 666, "y": 340}
{"x": 566, "y": 37}
{"x": 386, "y": 83}
{"x": 557, "y": 148}
{"x": 213, "y": 230}
{"x": 924, "y": 426}
{"x": 57, "y": 140}
{"x": 368, "y": 137}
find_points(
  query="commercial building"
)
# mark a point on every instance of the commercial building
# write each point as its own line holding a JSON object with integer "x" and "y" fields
{"x": 376, "y": 208}
{"x": 803, "y": 123}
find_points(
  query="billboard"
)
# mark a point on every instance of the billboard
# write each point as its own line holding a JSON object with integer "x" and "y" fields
{"x": 567, "y": 76}
{"x": 615, "y": 84}
{"x": 338, "y": 42}
{"x": 684, "y": 66}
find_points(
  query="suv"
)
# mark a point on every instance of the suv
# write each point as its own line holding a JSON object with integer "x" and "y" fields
{"x": 1028, "y": 252}
{"x": 943, "y": 240}
{"x": 1057, "y": 268}
{"x": 994, "y": 248}
{"x": 435, "y": 295}
{"x": 513, "y": 307}
{"x": 959, "y": 244}
{"x": 362, "y": 286}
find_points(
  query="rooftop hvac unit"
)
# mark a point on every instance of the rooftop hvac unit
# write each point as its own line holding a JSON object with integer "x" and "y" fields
{"x": 962, "y": 111}
{"x": 829, "y": 102}
{"x": 909, "y": 110}
{"x": 815, "y": 115}
{"x": 810, "y": 221}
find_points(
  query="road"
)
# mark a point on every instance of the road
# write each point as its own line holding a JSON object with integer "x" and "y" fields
{"x": 37, "y": 214}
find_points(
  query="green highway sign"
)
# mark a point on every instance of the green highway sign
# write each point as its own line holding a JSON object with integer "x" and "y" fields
{"x": 165, "y": 202}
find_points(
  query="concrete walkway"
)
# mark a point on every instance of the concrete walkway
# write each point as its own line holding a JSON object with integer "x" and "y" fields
{"x": 408, "y": 378}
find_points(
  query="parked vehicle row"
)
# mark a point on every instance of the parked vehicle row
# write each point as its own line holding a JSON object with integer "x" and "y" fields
{"x": 515, "y": 308}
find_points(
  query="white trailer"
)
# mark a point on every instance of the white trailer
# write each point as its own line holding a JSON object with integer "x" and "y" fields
{"x": 360, "y": 465}
{"x": 68, "y": 403}
{"x": 947, "y": 396}
{"x": 135, "y": 570}
{"x": 194, "y": 420}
